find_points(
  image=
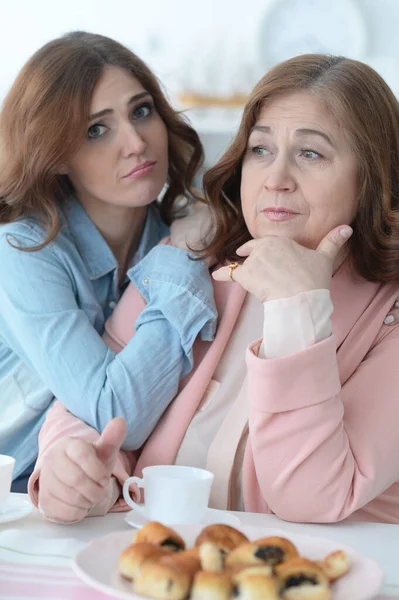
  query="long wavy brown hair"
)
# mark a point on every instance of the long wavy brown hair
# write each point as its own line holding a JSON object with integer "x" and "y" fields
{"x": 365, "y": 107}
{"x": 44, "y": 121}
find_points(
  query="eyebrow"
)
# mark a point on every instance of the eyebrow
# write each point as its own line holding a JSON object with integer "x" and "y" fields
{"x": 131, "y": 100}
{"x": 300, "y": 132}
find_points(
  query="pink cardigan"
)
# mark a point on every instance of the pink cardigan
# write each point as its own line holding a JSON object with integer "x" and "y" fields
{"x": 323, "y": 439}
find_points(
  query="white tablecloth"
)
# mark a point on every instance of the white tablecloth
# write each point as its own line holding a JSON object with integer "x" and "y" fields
{"x": 32, "y": 541}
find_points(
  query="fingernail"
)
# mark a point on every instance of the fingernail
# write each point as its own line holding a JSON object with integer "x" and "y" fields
{"x": 397, "y": 304}
{"x": 389, "y": 319}
{"x": 346, "y": 232}
{"x": 104, "y": 482}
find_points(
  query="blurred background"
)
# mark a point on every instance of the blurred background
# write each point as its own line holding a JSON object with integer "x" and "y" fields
{"x": 209, "y": 53}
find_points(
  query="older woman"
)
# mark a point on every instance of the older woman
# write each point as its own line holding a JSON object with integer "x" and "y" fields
{"x": 301, "y": 422}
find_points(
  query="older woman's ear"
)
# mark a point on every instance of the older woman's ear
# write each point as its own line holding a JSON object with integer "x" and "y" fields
{"x": 392, "y": 317}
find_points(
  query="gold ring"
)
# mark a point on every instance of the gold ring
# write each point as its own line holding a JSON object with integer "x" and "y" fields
{"x": 232, "y": 267}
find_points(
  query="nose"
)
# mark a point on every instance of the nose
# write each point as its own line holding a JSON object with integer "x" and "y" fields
{"x": 132, "y": 143}
{"x": 279, "y": 176}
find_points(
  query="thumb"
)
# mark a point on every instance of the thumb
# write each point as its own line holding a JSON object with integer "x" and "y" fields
{"x": 332, "y": 243}
{"x": 111, "y": 439}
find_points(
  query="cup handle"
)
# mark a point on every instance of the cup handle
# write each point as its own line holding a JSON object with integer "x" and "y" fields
{"x": 140, "y": 508}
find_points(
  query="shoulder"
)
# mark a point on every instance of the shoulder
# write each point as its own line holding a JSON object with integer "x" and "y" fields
{"x": 27, "y": 234}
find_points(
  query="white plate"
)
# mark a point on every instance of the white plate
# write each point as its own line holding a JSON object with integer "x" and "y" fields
{"x": 97, "y": 563}
{"x": 212, "y": 515}
{"x": 15, "y": 508}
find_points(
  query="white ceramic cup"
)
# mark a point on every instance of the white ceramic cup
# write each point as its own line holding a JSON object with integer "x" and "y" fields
{"x": 6, "y": 468}
{"x": 172, "y": 494}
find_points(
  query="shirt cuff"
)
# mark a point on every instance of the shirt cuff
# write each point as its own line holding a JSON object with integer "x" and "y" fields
{"x": 181, "y": 288}
{"x": 296, "y": 323}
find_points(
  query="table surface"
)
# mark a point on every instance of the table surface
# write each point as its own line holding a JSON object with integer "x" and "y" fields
{"x": 35, "y": 541}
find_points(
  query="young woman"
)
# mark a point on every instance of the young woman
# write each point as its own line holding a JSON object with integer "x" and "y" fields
{"x": 88, "y": 142}
{"x": 301, "y": 422}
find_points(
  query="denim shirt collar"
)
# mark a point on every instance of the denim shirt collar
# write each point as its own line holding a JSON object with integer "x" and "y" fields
{"x": 94, "y": 250}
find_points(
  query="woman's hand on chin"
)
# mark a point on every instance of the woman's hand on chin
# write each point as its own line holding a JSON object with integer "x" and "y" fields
{"x": 392, "y": 317}
{"x": 277, "y": 267}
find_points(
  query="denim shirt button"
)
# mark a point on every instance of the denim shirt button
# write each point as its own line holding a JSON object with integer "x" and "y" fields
{"x": 146, "y": 280}
{"x": 112, "y": 304}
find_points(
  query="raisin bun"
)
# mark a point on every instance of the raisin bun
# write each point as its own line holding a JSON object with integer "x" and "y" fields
{"x": 335, "y": 565}
{"x": 256, "y": 587}
{"x": 163, "y": 582}
{"x": 211, "y": 586}
{"x": 160, "y": 535}
{"x": 302, "y": 579}
{"x": 269, "y": 550}
{"x": 132, "y": 559}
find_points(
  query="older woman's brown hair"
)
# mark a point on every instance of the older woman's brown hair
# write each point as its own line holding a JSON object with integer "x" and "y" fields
{"x": 366, "y": 109}
{"x": 44, "y": 121}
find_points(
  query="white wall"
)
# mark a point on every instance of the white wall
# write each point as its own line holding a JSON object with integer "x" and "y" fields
{"x": 163, "y": 31}
{"x": 171, "y": 34}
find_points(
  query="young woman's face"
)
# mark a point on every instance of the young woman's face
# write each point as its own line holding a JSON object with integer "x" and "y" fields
{"x": 124, "y": 160}
{"x": 299, "y": 174}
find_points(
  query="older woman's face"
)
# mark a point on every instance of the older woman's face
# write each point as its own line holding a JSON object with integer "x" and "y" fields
{"x": 299, "y": 174}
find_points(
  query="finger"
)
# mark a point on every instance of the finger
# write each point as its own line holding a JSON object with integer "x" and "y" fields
{"x": 51, "y": 486}
{"x": 223, "y": 274}
{"x": 110, "y": 442}
{"x": 75, "y": 478}
{"x": 393, "y": 317}
{"x": 246, "y": 249}
{"x": 57, "y": 510}
{"x": 81, "y": 463}
{"x": 332, "y": 243}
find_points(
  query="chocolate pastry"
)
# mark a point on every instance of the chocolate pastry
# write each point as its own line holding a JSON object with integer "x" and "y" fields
{"x": 269, "y": 550}
{"x": 159, "y": 535}
{"x": 242, "y": 571}
{"x": 162, "y": 582}
{"x": 223, "y": 536}
{"x": 188, "y": 560}
{"x": 335, "y": 565}
{"x": 131, "y": 559}
{"x": 307, "y": 592}
{"x": 300, "y": 572}
{"x": 256, "y": 587}
{"x": 212, "y": 557}
{"x": 211, "y": 586}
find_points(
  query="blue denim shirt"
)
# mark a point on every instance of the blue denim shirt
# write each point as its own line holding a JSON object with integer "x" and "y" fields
{"x": 54, "y": 303}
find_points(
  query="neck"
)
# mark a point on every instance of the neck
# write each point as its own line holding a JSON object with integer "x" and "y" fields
{"x": 121, "y": 227}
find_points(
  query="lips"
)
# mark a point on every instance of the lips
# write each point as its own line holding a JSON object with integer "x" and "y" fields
{"x": 141, "y": 169}
{"x": 274, "y": 213}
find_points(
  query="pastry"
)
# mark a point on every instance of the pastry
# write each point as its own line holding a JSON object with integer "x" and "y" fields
{"x": 223, "y": 536}
{"x": 302, "y": 573}
{"x": 211, "y": 586}
{"x": 270, "y": 550}
{"x": 159, "y": 535}
{"x": 135, "y": 556}
{"x": 307, "y": 592}
{"x": 242, "y": 571}
{"x": 335, "y": 565}
{"x": 162, "y": 582}
{"x": 256, "y": 587}
{"x": 188, "y": 560}
{"x": 212, "y": 557}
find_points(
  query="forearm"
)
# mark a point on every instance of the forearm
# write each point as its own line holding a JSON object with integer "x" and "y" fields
{"x": 323, "y": 451}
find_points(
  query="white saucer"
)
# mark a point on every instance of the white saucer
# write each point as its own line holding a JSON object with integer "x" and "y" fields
{"x": 15, "y": 508}
{"x": 212, "y": 515}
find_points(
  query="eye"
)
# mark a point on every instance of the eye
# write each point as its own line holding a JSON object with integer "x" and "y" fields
{"x": 96, "y": 131}
{"x": 310, "y": 154}
{"x": 260, "y": 151}
{"x": 142, "y": 111}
